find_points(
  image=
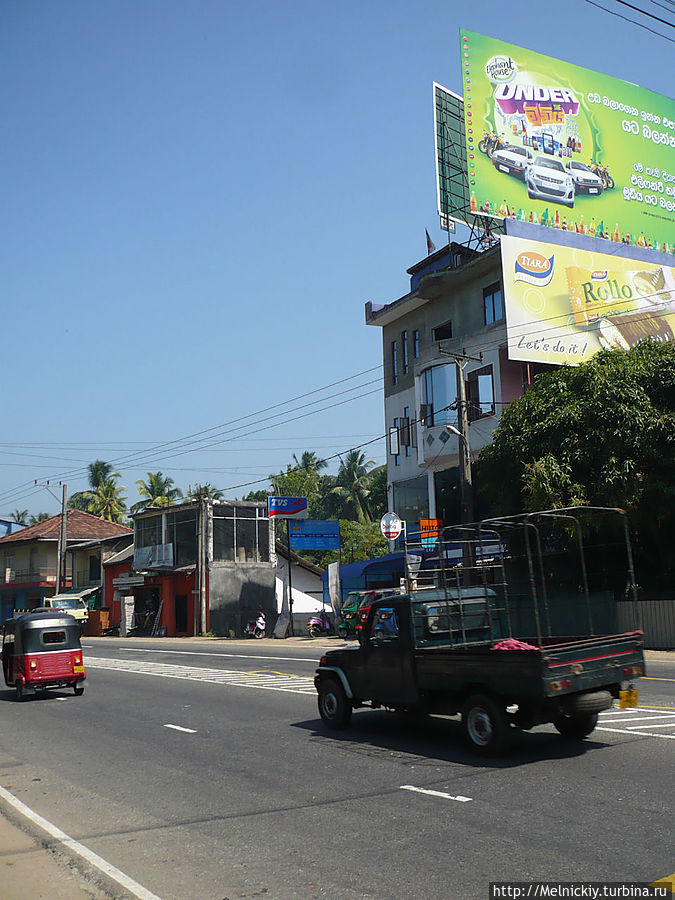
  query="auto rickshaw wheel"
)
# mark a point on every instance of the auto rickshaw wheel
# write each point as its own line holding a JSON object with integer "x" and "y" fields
{"x": 78, "y": 690}
{"x": 334, "y": 707}
{"x": 20, "y": 695}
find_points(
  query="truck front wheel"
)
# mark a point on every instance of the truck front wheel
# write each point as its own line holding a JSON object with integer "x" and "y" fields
{"x": 486, "y": 725}
{"x": 334, "y": 707}
{"x": 576, "y": 726}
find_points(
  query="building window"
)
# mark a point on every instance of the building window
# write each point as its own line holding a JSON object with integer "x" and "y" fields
{"x": 394, "y": 362}
{"x": 480, "y": 393}
{"x": 443, "y": 332}
{"x": 181, "y": 531}
{"x": 439, "y": 393}
{"x": 240, "y": 533}
{"x": 394, "y": 445}
{"x": 148, "y": 531}
{"x": 416, "y": 343}
{"x": 404, "y": 351}
{"x": 406, "y": 436}
{"x": 493, "y": 305}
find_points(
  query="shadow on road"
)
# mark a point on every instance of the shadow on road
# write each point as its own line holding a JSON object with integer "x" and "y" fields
{"x": 434, "y": 739}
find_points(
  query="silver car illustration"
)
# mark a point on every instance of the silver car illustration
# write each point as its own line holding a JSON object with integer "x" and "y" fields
{"x": 547, "y": 179}
{"x": 512, "y": 160}
{"x": 584, "y": 178}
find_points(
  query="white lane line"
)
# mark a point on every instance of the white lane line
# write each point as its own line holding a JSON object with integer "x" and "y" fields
{"x": 93, "y": 858}
{"x": 663, "y": 725}
{"x": 225, "y": 655}
{"x": 668, "y": 737}
{"x": 458, "y": 798}
{"x": 180, "y": 728}
{"x": 643, "y": 718}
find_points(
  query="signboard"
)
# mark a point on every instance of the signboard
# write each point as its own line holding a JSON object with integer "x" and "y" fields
{"x": 451, "y": 171}
{"x": 563, "y": 304}
{"x": 429, "y": 531}
{"x": 287, "y": 507}
{"x": 391, "y": 526}
{"x": 154, "y": 557}
{"x": 315, "y": 534}
{"x": 557, "y": 144}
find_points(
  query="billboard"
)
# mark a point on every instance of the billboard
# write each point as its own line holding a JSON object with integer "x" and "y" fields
{"x": 563, "y": 303}
{"x": 556, "y": 144}
{"x": 315, "y": 534}
{"x": 287, "y": 507}
{"x": 452, "y": 189}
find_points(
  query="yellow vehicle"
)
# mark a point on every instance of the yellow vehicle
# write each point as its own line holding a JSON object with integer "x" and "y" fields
{"x": 74, "y": 606}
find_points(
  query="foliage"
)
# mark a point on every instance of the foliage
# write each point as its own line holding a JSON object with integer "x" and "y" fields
{"x": 352, "y": 489}
{"x": 108, "y": 501}
{"x": 99, "y": 471}
{"x": 20, "y": 516}
{"x": 359, "y": 540}
{"x": 204, "y": 491}
{"x": 158, "y": 490}
{"x": 256, "y": 496}
{"x": 40, "y": 517}
{"x": 602, "y": 433}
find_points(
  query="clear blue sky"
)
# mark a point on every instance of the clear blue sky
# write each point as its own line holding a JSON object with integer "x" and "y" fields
{"x": 198, "y": 198}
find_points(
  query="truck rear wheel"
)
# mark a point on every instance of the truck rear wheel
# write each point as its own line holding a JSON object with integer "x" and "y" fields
{"x": 486, "y": 725}
{"x": 576, "y": 726}
{"x": 334, "y": 707}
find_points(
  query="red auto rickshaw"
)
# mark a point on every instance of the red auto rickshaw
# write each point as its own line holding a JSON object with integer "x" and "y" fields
{"x": 42, "y": 650}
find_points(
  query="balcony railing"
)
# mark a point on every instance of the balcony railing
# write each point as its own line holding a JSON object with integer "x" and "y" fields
{"x": 26, "y": 576}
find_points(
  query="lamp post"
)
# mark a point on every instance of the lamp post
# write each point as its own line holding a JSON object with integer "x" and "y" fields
{"x": 465, "y": 480}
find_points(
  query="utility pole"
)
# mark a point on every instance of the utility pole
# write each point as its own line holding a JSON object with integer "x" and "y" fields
{"x": 63, "y": 536}
{"x": 290, "y": 580}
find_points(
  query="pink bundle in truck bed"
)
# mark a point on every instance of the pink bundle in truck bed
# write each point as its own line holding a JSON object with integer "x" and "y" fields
{"x": 513, "y": 644}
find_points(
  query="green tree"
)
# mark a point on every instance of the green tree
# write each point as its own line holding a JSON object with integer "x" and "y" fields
{"x": 352, "y": 488}
{"x": 358, "y": 540}
{"x": 20, "y": 516}
{"x": 40, "y": 517}
{"x": 256, "y": 496}
{"x": 204, "y": 491}
{"x": 310, "y": 462}
{"x": 378, "y": 500}
{"x": 158, "y": 490}
{"x": 602, "y": 433}
{"x": 98, "y": 472}
{"x": 108, "y": 501}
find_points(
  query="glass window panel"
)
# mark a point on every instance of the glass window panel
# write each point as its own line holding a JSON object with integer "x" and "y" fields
{"x": 263, "y": 540}
{"x": 185, "y": 542}
{"x": 223, "y": 539}
{"x": 246, "y": 541}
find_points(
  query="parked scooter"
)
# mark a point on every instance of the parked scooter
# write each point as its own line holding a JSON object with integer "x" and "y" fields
{"x": 319, "y": 624}
{"x": 255, "y": 628}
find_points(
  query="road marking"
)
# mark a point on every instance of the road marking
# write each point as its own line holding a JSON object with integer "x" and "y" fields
{"x": 292, "y": 684}
{"x": 668, "y": 737}
{"x": 664, "y": 725}
{"x": 654, "y": 678}
{"x": 644, "y": 718}
{"x": 180, "y": 728}
{"x": 224, "y": 655}
{"x": 93, "y": 858}
{"x": 459, "y": 798}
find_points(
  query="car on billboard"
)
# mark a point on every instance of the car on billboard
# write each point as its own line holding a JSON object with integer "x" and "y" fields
{"x": 547, "y": 178}
{"x": 512, "y": 160}
{"x": 585, "y": 179}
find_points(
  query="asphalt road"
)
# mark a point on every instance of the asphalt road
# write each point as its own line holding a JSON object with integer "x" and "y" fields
{"x": 247, "y": 795}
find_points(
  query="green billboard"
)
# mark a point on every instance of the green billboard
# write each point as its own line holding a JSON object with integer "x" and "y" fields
{"x": 556, "y": 144}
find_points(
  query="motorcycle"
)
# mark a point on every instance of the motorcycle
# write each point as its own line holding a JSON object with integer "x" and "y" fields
{"x": 603, "y": 173}
{"x": 255, "y": 628}
{"x": 490, "y": 142}
{"x": 319, "y": 624}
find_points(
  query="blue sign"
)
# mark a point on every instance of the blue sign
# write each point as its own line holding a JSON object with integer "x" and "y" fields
{"x": 315, "y": 534}
{"x": 287, "y": 507}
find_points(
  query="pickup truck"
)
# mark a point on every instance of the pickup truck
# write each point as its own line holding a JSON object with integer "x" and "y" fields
{"x": 407, "y": 663}
{"x": 512, "y": 622}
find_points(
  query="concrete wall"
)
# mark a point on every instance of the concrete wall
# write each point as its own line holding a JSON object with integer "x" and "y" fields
{"x": 236, "y": 592}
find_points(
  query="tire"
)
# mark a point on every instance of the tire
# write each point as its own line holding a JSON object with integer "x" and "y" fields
{"x": 334, "y": 707}
{"x": 20, "y": 693}
{"x": 486, "y": 726}
{"x": 343, "y": 631}
{"x": 78, "y": 691}
{"x": 591, "y": 702}
{"x": 259, "y": 633}
{"x": 609, "y": 182}
{"x": 576, "y": 726}
{"x": 314, "y": 631}
{"x": 482, "y": 146}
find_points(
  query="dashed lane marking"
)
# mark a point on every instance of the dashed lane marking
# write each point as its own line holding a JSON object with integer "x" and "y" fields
{"x": 444, "y": 796}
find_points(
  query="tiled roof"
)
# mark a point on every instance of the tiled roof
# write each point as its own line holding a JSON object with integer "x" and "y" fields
{"x": 81, "y": 526}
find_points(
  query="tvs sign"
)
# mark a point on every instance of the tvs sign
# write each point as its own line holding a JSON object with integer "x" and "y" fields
{"x": 287, "y": 507}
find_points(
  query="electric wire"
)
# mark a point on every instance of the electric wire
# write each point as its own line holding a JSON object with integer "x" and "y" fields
{"x": 632, "y": 21}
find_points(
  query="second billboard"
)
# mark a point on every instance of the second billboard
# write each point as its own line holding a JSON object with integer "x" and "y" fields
{"x": 555, "y": 144}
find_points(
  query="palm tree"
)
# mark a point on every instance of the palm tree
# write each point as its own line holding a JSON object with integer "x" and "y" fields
{"x": 205, "y": 491}
{"x": 108, "y": 501}
{"x": 158, "y": 490}
{"x": 40, "y": 517}
{"x": 310, "y": 462}
{"x": 20, "y": 516}
{"x": 98, "y": 471}
{"x": 352, "y": 487}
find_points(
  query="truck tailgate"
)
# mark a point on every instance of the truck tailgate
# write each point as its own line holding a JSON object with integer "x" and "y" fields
{"x": 593, "y": 663}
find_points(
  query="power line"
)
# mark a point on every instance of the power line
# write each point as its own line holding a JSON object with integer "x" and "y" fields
{"x": 632, "y": 21}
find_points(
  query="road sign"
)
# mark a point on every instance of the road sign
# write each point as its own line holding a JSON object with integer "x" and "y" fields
{"x": 391, "y": 526}
{"x": 287, "y": 507}
{"x": 315, "y": 534}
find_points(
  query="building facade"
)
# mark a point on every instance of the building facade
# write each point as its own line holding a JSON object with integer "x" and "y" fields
{"x": 454, "y": 310}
